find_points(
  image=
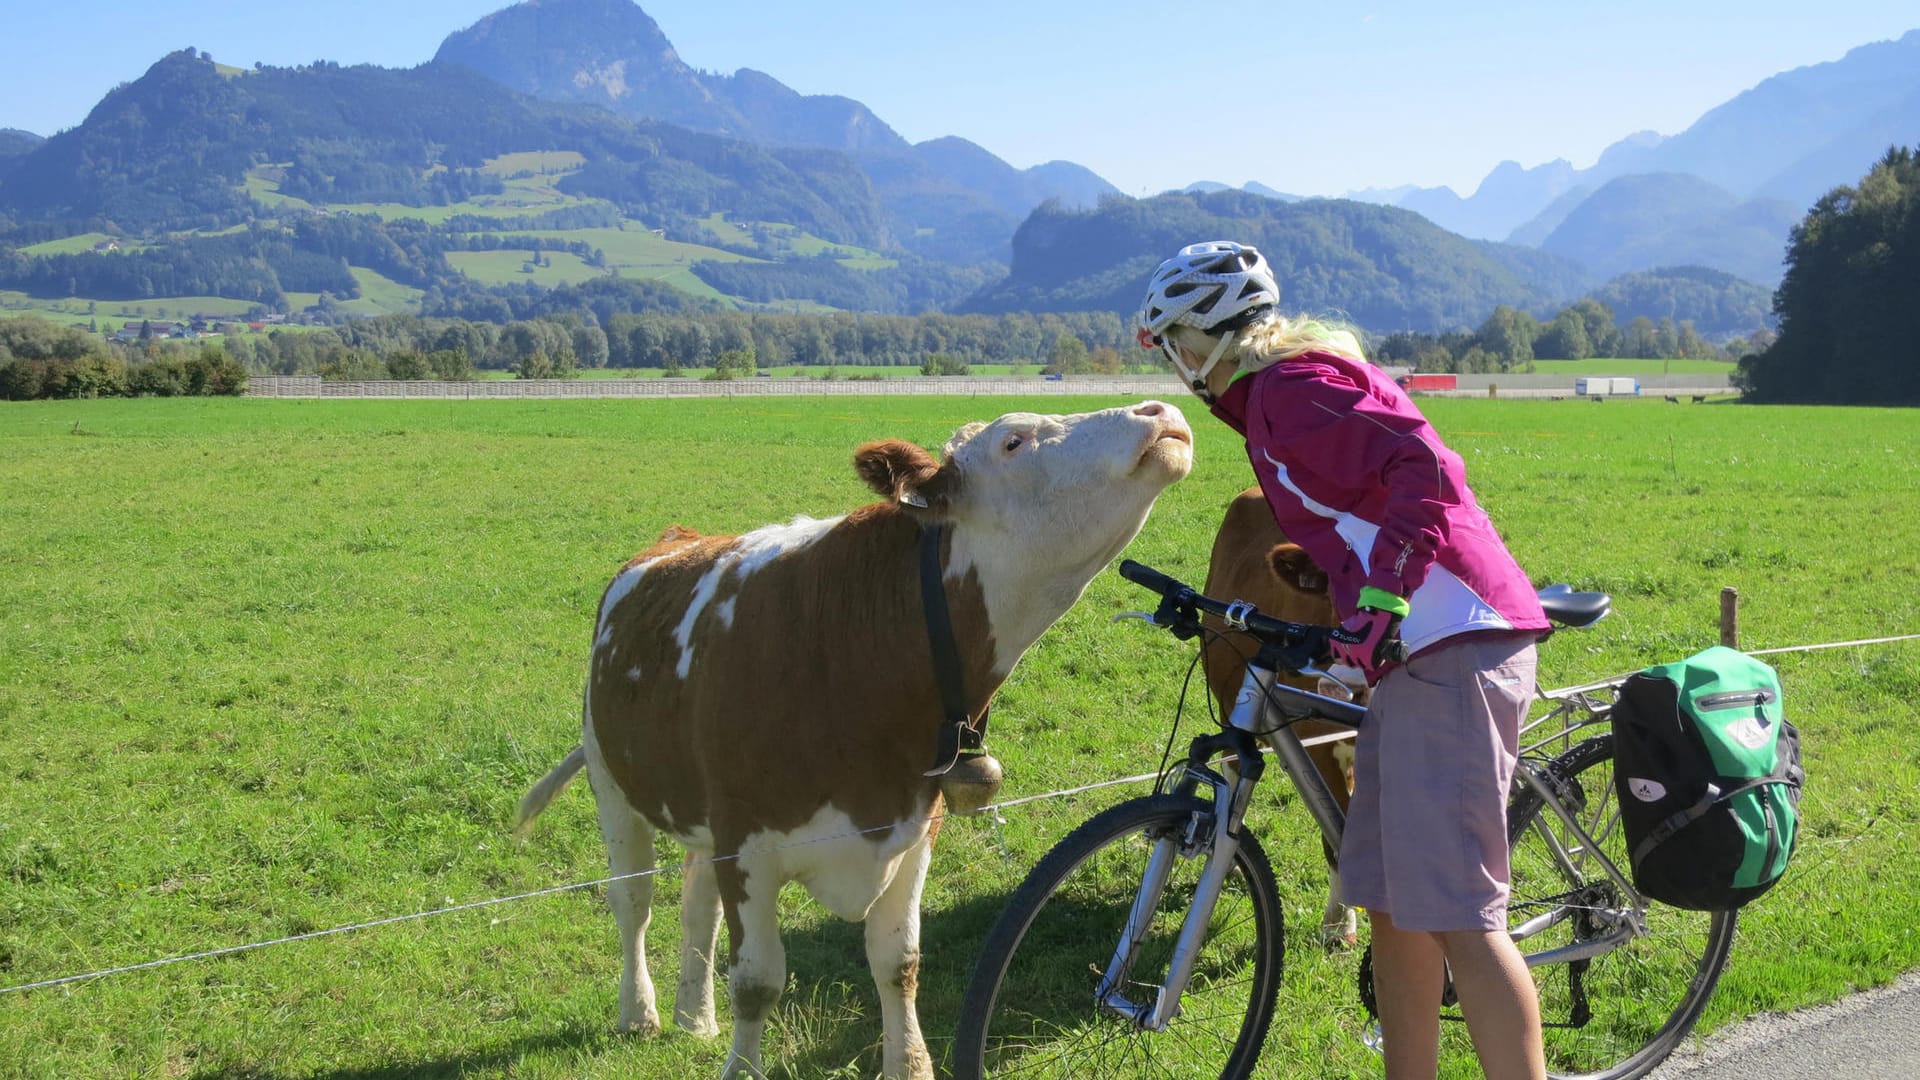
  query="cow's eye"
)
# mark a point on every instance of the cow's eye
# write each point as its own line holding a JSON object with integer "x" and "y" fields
{"x": 1014, "y": 442}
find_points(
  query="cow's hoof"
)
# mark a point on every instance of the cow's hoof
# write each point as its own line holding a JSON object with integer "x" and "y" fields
{"x": 972, "y": 783}
{"x": 1337, "y": 939}
{"x": 704, "y": 1026}
{"x": 644, "y": 1024}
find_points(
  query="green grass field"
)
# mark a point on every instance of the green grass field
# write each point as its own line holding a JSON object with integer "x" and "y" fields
{"x": 269, "y": 667}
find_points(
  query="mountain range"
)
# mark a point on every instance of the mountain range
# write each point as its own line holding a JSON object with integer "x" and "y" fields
{"x": 611, "y": 54}
{"x": 1752, "y": 166}
{"x": 637, "y": 137}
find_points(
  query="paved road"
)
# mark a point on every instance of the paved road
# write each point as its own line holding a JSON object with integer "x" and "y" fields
{"x": 1871, "y": 1036}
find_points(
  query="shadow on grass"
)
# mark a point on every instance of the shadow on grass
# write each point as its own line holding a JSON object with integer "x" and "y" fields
{"x": 493, "y": 1060}
{"x": 830, "y": 1013}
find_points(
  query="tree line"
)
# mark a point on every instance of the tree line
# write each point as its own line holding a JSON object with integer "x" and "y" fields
{"x": 1511, "y": 340}
{"x": 1848, "y": 317}
{"x": 560, "y": 343}
{"x": 39, "y": 359}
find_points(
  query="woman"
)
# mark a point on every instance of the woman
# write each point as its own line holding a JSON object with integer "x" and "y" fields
{"x": 1356, "y": 476}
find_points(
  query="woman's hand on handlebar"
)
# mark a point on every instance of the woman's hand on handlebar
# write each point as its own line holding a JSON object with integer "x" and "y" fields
{"x": 1369, "y": 641}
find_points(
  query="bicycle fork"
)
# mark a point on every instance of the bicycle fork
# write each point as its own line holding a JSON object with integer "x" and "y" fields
{"x": 1220, "y": 841}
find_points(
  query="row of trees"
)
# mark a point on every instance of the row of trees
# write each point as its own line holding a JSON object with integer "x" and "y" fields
{"x": 1511, "y": 340}
{"x": 39, "y": 359}
{"x": 1073, "y": 341}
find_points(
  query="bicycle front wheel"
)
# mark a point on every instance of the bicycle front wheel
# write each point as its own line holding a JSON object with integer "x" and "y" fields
{"x": 1619, "y": 1014}
{"x": 1030, "y": 1009}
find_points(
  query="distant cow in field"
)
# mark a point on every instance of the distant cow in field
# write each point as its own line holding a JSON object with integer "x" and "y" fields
{"x": 770, "y": 701}
{"x": 1253, "y": 561}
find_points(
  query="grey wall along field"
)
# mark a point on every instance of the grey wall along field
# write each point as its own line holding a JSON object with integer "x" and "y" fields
{"x": 274, "y": 666}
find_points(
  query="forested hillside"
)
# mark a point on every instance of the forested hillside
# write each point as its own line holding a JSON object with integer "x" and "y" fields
{"x": 1383, "y": 267}
{"x": 173, "y": 150}
{"x": 1674, "y": 218}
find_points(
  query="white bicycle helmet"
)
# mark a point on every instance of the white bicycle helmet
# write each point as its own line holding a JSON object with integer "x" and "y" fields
{"x": 1216, "y": 284}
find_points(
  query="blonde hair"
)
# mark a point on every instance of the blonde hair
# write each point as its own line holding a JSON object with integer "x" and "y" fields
{"x": 1278, "y": 338}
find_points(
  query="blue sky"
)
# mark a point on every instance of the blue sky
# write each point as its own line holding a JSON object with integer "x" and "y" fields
{"x": 1313, "y": 99}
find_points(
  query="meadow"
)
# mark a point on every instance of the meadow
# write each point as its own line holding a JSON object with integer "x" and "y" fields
{"x": 269, "y": 667}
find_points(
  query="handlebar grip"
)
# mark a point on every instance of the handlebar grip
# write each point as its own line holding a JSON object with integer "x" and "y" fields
{"x": 1141, "y": 574}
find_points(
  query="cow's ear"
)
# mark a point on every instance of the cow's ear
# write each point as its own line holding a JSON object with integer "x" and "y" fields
{"x": 1293, "y": 565}
{"x": 898, "y": 470}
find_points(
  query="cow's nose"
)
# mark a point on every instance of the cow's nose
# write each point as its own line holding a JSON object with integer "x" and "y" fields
{"x": 1150, "y": 408}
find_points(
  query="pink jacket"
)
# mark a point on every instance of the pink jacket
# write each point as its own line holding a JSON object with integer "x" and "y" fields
{"x": 1356, "y": 476}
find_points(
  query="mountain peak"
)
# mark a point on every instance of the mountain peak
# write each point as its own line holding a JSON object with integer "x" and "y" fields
{"x": 598, "y": 52}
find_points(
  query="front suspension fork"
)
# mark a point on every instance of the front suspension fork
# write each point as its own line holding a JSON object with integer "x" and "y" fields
{"x": 1217, "y": 837}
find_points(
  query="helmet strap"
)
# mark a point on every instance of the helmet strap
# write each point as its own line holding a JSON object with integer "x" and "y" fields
{"x": 1196, "y": 380}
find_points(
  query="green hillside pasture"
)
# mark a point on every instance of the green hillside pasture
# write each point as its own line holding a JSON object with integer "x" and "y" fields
{"x": 535, "y": 163}
{"x": 505, "y": 267}
{"x": 637, "y": 252}
{"x": 379, "y": 295}
{"x": 269, "y": 667}
{"x": 66, "y": 245}
{"x": 112, "y": 314}
{"x": 508, "y": 266}
{"x": 797, "y": 241}
{"x": 266, "y": 192}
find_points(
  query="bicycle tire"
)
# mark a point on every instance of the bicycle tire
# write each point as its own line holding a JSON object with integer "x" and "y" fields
{"x": 1645, "y": 995}
{"x": 1029, "y": 1008}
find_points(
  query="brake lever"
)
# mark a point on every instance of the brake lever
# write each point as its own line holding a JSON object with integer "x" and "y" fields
{"x": 1327, "y": 676}
{"x": 1143, "y": 616}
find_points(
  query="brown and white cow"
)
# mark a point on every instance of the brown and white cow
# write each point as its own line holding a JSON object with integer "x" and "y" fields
{"x": 1253, "y": 561}
{"x": 769, "y": 701}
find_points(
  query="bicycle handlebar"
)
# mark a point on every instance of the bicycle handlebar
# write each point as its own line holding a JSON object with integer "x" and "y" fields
{"x": 1181, "y": 602}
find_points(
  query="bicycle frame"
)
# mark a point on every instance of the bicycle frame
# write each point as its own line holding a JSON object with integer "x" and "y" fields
{"x": 1264, "y": 711}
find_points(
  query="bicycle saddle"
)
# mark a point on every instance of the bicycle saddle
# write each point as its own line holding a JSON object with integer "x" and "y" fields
{"x": 1575, "y": 609}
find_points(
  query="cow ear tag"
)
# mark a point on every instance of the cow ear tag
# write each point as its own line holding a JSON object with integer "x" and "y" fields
{"x": 913, "y": 498}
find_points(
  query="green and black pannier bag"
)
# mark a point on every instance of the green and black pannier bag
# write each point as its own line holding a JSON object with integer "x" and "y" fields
{"x": 1707, "y": 771}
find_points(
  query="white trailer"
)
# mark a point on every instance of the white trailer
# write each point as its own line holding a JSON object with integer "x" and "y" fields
{"x": 1606, "y": 386}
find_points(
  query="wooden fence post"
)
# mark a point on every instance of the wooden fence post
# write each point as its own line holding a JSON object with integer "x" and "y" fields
{"x": 1730, "y": 617}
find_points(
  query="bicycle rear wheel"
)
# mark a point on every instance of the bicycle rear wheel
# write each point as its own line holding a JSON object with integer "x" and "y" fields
{"x": 1030, "y": 1008}
{"x": 1619, "y": 1014}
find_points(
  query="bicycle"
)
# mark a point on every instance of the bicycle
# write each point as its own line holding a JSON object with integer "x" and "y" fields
{"x": 1148, "y": 941}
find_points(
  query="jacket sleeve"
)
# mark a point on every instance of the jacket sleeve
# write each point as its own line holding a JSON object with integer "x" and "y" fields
{"x": 1336, "y": 431}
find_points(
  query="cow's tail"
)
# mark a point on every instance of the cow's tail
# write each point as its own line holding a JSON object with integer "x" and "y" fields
{"x": 544, "y": 791}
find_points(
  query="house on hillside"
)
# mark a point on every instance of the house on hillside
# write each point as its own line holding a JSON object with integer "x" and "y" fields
{"x": 107, "y": 245}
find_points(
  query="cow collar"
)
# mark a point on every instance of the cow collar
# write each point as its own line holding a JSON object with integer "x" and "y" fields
{"x": 958, "y": 731}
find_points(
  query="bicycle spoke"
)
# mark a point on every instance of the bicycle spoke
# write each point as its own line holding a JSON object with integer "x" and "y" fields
{"x": 1622, "y": 1012}
{"x": 1035, "y": 975}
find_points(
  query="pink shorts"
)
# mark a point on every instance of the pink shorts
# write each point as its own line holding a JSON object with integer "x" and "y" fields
{"x": 1426, "y": 835}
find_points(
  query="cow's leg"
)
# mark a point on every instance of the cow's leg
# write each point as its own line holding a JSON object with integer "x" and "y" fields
{"x": 893, "y": 952}
{"x": 750, "y": 897}
{"x": 699, "y": 939}
{"x": 629, "y": 840}
{"x": 1339, "y": 924}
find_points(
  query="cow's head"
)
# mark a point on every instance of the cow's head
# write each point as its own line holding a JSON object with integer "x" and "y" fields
{"x": 1039, "y": 503}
